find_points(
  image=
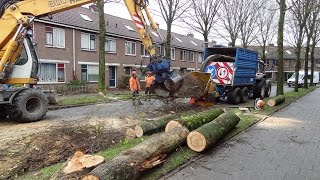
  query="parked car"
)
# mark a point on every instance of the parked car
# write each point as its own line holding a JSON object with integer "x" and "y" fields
{"x": 291, "y": 80}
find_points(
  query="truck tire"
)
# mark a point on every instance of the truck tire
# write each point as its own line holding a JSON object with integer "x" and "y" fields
{"x": 268, "y": 89}
{"x": 259, "y": 89}
{"x": 30, "y": 105}
{"x": 244, "y": 94}
{"x": 234, "y": 97}
{"x": 3, "y": 113}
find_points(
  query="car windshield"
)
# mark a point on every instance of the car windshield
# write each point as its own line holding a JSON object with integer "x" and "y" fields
{"x": 294, "y": 74}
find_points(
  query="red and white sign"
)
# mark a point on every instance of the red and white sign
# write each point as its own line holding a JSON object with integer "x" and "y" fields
{"x": 137, "y": 21}
{"x": 224, "y": 73}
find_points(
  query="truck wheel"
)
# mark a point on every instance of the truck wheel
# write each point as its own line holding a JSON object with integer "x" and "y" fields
{"x": 268, "y": 90}
{"x": 230, "y": 97}
{"x": 30, "y": 105}
{"x": 234, "y": 96}
{"x": 3, "y": 113}
{"x": 259, "y": 89}
{"x": 244, "y": 94}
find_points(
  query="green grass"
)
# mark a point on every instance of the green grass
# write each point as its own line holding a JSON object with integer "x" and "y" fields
{"x": 93, "y": 98}
{"x": 290, "y": 97}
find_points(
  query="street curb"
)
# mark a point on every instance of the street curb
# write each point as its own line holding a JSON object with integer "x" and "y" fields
{"x": 57, "y": 107}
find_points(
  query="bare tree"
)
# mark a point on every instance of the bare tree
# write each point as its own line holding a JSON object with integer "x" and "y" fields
{"x": 282, "y": 12}
{"x": 102, "y": 60}
{"x": 266, "y": 27}
{"x": 171, "y": 10}
{"x": 202, "y": 16}
{"x": 248, "y": 30}
{"x": 300, "y": 11}
{"x": 230, "y": 17}
{"x": 315, "y": 20}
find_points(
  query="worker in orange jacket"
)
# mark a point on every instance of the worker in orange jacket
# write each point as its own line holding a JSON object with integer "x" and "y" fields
{"x": 135, "y": 86}
{"x": 150, "y": 80}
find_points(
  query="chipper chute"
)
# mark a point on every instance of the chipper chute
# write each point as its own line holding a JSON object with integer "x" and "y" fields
{"x": 196, "y": 85}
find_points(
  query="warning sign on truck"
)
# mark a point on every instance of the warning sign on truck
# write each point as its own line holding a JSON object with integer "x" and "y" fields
{"x": 221, "y": 72}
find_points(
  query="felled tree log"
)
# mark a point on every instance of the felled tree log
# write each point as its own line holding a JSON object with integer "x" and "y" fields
{"x": 208, "y": 134}
{"x": 79, "y": 165}
{"x": 152, "y": 126}
{"x": 276, "y": 100}
{"x": 194, "y": 121}
{"x": 130, "y": 163}
{"x": 130, "y": 133}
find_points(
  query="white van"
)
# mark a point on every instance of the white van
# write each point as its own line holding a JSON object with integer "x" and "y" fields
{"x": 291, "y": 80}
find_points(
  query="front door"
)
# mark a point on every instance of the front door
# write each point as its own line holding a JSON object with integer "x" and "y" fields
{"x": 112, "y": 76}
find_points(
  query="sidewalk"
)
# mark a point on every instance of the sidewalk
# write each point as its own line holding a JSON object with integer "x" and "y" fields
{"x": 284, "y": 146}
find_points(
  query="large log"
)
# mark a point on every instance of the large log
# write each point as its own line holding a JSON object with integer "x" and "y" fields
{"x": 153, "y": 126}
{"x": 208, "y": 134}
{"x": 130, "y": 163}
{"x": 194, "y": 121}
{"x": 275, "y": 101}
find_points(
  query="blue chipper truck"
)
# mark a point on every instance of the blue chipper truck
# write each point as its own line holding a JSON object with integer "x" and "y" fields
{"x": 237, "y": 73}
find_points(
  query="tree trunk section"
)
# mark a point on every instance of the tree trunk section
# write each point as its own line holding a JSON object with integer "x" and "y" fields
{"x": 130, "y": 133}
{"x": 194, "y": 121}
{"x": 130, "y": 163}
{"x": 312, "y": 64}
{"x": 148, "y": 127}
{"x": 280, "y": 78}
{"x": 276, "y": 100}
{"x": 102, "y": 59}
{"x": 208, "y": 134}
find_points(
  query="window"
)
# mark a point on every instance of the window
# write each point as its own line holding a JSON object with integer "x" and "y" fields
{"x": 191, "y": 56}
{"x": 274, "y": 63}
{"x": 111, "y": 45}
{"x": 267, "y": 62}
{"x": 88, "y": 42}
{"x": 199, "y": 57}
{"x": 286, "y": 63}
{"x": 127, "y": 70}
{"x": 159, "y": 50}
{"x": 178, "y": 39}
{"x": 128, "y": 27}
{"x": 85, "y": 17}
{"x": 144, "y": 52}
{"x": 130, "y": 48}
{"x": 89, "y": 73}
{"x": 55, "y": 37}
{"x": 194, "y": 43}
{"x": 172, "y": 53}
{"x": 50, "y": 72}
{"x": 183, "y": 55}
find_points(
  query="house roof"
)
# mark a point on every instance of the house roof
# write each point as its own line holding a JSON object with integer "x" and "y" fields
{"x": 116, "y": 26}
{"x": 288, "y": 53}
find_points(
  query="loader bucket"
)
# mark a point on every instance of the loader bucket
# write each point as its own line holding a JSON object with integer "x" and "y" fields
{"x": 51, "y": 96}
{"x": 195, "y": 85}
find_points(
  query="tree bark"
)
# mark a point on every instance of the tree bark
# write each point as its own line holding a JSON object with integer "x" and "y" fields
{"x": 153, "y": 126}
{"x": 312, "y": 64}
{"x": 276, "y": 100}
{"x": 208, "y": 134}
{"x": 306, "y": 59}
{"x": 195, "y": 121}
{"x": 130, "y": 163}
{"x": 280, "y": 77}
{"x": 102, "y": 60}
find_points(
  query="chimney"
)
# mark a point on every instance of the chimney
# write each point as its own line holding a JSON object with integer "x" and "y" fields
{"x": 214, "y": 43}
{"x": 229, "y": 44}
{"x": 271, "y": 45}
{"x": 93, "y": 8}
{"x": 190, "y": 35}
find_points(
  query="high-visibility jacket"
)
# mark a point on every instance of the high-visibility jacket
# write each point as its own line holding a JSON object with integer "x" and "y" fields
{"x": 134, "y": 84}
{"x": 149, "y": 80}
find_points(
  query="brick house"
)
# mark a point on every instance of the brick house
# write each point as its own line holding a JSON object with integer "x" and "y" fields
{"x": 67, "y": 46}
{"x": 288, "y": 64}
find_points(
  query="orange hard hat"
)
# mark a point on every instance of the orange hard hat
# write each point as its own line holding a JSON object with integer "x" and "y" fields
{"x": 260, "y": 104}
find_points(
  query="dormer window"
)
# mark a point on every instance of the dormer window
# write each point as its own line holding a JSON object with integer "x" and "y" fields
{"x": 85, "y": 17}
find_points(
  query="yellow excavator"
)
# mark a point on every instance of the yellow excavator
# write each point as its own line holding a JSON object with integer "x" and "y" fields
{"x": 19, "y": 62}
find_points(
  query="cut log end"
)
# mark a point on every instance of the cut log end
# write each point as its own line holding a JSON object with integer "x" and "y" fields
{"x": 271, "y": 102}
{"x": 90, "y": 177}
{"x": 171, "y": 125}
{"x": 138, "y": 131}
{"x": 81, "y": 161}
{"x": 196, "y": 141}
{"x": 130, "y": 133}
